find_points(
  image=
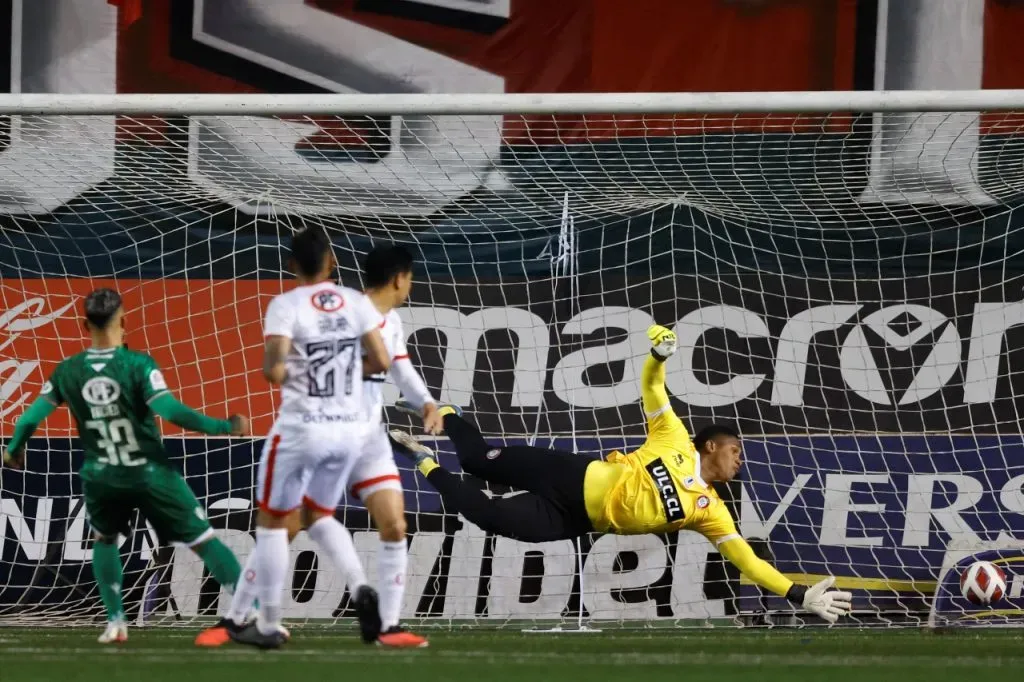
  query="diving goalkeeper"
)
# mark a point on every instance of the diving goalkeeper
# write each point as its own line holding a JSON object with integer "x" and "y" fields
{"x": 663, "y": 486}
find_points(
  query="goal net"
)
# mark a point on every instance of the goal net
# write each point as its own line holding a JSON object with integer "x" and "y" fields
{"x": 843, "y": 270}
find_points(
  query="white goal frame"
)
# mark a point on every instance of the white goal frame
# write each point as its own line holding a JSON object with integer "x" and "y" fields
{"x": 555, "y": 103}
{"x": 877, "y": 104}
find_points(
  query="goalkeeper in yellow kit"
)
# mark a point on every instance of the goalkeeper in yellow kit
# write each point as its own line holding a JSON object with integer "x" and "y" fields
{"x": 663, "y": 486}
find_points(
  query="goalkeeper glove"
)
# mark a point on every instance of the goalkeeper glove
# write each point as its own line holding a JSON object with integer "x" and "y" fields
{"x": 819, "y": 600}
{"x": 663, "y": 341}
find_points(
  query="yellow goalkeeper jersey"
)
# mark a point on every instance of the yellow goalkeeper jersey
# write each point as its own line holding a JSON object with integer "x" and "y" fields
{"x": 656, "y": 488}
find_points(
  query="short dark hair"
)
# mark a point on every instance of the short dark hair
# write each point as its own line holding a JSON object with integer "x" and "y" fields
{"x": 712, "y": 432}
{"x": 383, "y": 263}
{"x": 100, "y": 307}
{"x": 309, "y": 250}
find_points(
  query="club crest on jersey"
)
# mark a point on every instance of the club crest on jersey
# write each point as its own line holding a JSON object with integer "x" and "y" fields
{"x": 703, "y": 502}
{"x": 327, "y": 301}
{"x": 666, "y": 490}
{"x": 493, "y": 454}
{"x": 101, "y": 391}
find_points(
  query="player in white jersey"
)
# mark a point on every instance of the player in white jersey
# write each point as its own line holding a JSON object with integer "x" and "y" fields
{"x": 320, "y": 338}
{"x": 387, "y": 274}
{"x": 387, "y": 278}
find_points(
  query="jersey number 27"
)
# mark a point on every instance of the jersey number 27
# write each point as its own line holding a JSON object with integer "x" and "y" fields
{"x": 324, "y": 361}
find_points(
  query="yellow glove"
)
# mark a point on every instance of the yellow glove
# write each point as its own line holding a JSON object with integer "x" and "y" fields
{"x": 663, "y": 340}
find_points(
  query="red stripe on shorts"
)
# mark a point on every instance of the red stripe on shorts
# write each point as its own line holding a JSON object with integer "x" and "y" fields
{"x": 400, "y": 357}
{"x": 268, "y": 482}
{"x": 279, "y": 513}
{"x": 310, "y": 503}
{"x": 374, "y": 481}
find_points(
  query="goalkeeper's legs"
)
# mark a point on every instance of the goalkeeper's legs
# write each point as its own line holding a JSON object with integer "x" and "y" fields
{"x": 553, "y": 474}
{"x": 528, "y": 517}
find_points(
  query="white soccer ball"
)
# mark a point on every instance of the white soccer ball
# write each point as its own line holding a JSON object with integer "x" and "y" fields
{"x": 983, "y": 583}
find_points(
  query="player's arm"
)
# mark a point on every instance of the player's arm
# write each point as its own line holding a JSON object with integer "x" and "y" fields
{"x": 652, "y": 376}
{"x": 166, "y": 406}
{"x": 275, "y": 354}
{"x": 163, "y": 404}
{"x": 376, "y": 358}
{"x": 49, "y": 399}
{"x": 662, "y": 421}
{"x": 413, "y": 388}
{"x": 278, "y": 327}
{"x": 410, "y": 383}
{"x": 819, "y": 600}
{"x": 28, "y": 422}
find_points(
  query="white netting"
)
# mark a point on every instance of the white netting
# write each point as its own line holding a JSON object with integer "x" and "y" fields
{"x": 846, "y": 288}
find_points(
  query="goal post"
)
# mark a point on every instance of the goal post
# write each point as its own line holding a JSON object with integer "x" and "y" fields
{"x": 843, "y": 271}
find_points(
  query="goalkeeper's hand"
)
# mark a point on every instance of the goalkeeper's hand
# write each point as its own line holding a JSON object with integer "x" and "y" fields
{"x": 825, "y": 603}
{"x": 663, "y": 341}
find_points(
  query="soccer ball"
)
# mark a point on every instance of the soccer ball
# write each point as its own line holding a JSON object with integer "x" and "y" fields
{"x": 983, "y": 583}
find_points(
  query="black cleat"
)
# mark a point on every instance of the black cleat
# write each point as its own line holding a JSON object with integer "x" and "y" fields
{"x": 367, "y": 608}
{"x": 406, "y": 445}
{"x": 251, "y": 636}
{"x": 405, "y": 407}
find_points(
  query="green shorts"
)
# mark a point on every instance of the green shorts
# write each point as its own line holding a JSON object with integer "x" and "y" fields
{"x": 160, "y": 494}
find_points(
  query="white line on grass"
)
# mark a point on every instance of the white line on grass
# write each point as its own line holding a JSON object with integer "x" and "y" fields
{"x": 475, "y": 657}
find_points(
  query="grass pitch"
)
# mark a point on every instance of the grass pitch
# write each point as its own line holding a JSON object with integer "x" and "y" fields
{"x": 159, "y": 655}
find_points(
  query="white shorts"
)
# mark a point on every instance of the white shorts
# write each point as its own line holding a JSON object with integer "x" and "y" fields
{"x": 307, "y": 465}
{"x": 375, "y": 469}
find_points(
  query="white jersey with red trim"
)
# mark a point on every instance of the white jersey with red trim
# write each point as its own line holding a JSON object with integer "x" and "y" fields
{"x": 373, "y": 389}
{"x": 325, "y": 323}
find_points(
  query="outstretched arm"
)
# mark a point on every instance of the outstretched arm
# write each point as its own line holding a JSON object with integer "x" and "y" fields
{"x": 163, "y": 404}
{"x": 167, "y": 407}
{"x": 662, "y": 420}
{"x": 818, "y": 599}
{"x": 742, "y": 556}
{"x": 410, "y": 383}
{"x": 26, "y": 425}
{"x": 652, "y": 384}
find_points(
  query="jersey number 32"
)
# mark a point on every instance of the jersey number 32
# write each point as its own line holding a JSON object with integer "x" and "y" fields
{"x": 117, "y": 438}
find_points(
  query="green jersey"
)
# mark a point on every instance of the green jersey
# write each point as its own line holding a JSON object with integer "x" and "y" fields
{"x": 108, "y": 392}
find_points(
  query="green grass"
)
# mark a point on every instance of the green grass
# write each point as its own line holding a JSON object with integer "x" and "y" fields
{"x": 720, "y": 655}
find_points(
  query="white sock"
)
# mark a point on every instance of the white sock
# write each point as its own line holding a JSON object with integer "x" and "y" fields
{"x": 337, "y": 543}
{"x": 271, "y": 570}
{"x": 392, "y": 559}
{"x": 245, "y": 592}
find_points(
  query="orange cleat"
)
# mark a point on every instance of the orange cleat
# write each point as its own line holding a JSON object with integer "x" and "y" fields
{"x": 398, "y": 637}
{"x": 218, "y": 635}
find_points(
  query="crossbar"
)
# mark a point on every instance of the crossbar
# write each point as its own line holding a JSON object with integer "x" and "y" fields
{"x": 490, "y": 104}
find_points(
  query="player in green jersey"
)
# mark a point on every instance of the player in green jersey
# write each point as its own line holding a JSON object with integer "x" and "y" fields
{"x": 113, "y": 394}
